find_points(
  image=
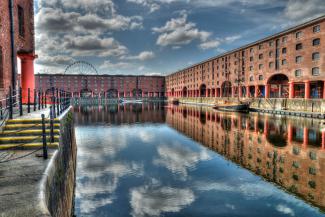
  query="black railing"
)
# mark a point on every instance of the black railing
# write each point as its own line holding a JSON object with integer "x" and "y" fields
{"x": 26, "y": 100}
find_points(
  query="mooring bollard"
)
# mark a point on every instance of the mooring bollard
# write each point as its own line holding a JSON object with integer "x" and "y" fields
{"x": 44, "y": 137}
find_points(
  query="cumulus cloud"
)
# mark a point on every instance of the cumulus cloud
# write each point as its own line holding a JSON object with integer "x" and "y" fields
{"x": 178, "y": 31}
{"x": 152, "y": 5}
{"x": 209, "y": 44}
{"x": 72, "y": 29}
{"x": 304, "y": 9}
{"x": 179, "y": 159}
{"x": 153, "y": 201}
{"x": 143, "y": 56}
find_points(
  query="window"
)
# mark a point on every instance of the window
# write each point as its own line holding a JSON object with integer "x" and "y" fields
{"x": 271, "y": 65}
{"x": 316, "y": 42}
{"x": 251, "y": 78}
{"x": 298, "y": 59}
{"x": 298, "y": 34}
{"x": 270, "y": 53}
{"x": 251, "y": 68}
{"x": 251, "y": 50}
{"x": 260, "y": 56}
{"x": 284, "y": 62}
{"x": 315, "y": 56}
{"x": 21, "y": 24}
{"x": 284, "y": 39}
{"x": 316, "y": 28}
{"x": 315, "y": 71}
{"x": 251, "y": 59}
{"x": 299, "y": 46}
{"x": 284, "y": 50}
{"x": 260, "y": 47}
{"x": 260, "y": 77}
{"x": 260, "y": 66}
{"x": 298, "y": 73}
{"x": 271, "y": 43}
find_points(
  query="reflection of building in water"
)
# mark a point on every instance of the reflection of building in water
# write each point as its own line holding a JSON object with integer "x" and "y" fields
{"x": 121, "y": 113}
{"x": 286, "y": 151}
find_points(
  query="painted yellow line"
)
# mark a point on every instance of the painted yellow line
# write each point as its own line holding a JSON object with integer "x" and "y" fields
{"x": 22, "y": 138}
{"x": 27, "y": 131}
{"x": 29, "y": 120}
{"x": 12, "y": 126}
{"x": 30, "y": 145}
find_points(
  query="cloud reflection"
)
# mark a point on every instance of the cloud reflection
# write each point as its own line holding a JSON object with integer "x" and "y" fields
{"x": 153, "y": 201}
{"x": 179, "y": 159}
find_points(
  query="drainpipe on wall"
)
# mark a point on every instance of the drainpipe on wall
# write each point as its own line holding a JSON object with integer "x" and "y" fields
{"x": 12, "y": 45}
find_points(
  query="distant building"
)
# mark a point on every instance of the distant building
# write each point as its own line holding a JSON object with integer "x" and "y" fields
{"x": 111, "y": 86}
{"x": 290, "y": 64}
{"x": 22, "y": 42}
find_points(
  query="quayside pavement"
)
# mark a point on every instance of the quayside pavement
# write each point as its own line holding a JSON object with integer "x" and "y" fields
{"x": 22, "y": 162}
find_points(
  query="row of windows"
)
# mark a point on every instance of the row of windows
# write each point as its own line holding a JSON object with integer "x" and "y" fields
{"x": 298, "y": 73}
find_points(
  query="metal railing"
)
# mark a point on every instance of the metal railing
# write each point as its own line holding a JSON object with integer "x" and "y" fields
{"x": 15, "y": 105}
{"x": 19, "y": 102}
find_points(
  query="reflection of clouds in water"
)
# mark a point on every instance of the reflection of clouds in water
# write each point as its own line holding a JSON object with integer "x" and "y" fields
{"x": 178, "y": 159}
{"x": 248, "y": 190}
{"x": 152, "y": 201}
{"x": 102, "y": 181}
{"x": 285, "y": 210}
{"x": 103, "y": 141}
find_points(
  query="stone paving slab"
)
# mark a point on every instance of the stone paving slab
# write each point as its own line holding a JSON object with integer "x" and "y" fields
{"x": 19, "y": 184}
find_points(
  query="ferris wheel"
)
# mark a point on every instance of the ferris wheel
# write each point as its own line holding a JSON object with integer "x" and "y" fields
{"x": 81, "y": 68}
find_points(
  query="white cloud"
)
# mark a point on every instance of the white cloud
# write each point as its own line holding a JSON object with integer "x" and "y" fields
{"x": 209, "y": 44}
{"x": 304, "y": 9}
{"x": 143, "y": 56}
{"x": 153, "y": 6}
{"x": 153, "y": 201}
{"x": 178, "y": 31}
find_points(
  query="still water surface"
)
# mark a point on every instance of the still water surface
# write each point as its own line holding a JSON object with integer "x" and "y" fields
{"x": 162, "y": 160}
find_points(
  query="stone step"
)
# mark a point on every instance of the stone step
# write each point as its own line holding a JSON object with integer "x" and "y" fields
{"x": 30, "y": 121}
{"x": 29, "y": 126}
{"x": 25, "y": 139}
{"x": 20, "y": 146}
{"x": 27, "y": 132}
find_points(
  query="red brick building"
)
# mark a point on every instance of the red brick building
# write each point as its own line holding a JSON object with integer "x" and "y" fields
{"x": 290, "y": 64}
{"x": 111, "y": 86}
{"x": 22, "y": 42}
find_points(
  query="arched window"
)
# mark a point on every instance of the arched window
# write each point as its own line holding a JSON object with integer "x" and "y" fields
{"x": 251, "y": 78}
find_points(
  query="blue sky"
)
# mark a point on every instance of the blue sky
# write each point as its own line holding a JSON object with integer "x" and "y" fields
{"x": 155, "y": 36}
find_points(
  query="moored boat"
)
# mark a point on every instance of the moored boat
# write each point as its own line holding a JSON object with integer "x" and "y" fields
{"x": 233, "y": 107}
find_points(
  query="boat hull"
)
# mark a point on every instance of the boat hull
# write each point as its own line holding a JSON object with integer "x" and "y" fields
{"x": 233, "y": 108}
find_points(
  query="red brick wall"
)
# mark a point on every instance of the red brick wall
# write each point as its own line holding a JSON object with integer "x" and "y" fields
{"x": 23, "y": 44}
{"x": 101, "y": 83}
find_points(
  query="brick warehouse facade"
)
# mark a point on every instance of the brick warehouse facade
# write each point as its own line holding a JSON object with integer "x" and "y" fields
{"x": 24, "y": 46}
{"x": 110, "y": 86}
{"x": 290, "y": 64}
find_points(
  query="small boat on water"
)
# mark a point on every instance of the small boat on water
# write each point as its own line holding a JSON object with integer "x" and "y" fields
{"x": 130, "y": 101}
{"x": 175, "y": 101}
{"x": 233, "y": 107}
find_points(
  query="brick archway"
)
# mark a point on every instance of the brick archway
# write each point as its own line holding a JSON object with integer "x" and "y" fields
{"x": 279, "y": 86}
